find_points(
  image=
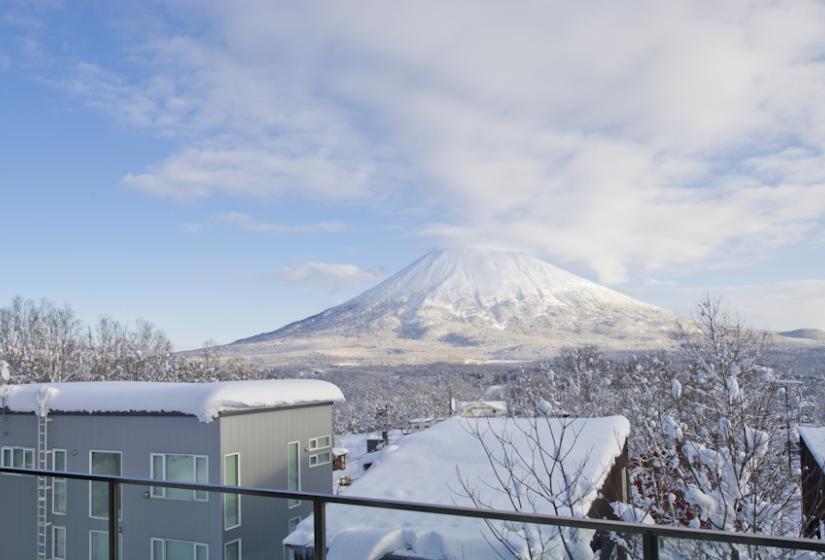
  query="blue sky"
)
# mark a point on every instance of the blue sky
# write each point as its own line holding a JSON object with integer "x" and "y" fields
{"x": 222, "y": 170}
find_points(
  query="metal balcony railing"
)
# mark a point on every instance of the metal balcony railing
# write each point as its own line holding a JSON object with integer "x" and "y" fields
{"x": 651, "y": 535}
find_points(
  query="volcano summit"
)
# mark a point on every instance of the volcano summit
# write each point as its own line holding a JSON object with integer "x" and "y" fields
{"x": 464, "y": 305}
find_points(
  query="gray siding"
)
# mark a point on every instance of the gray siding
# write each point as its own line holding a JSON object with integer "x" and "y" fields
{"x": 137, "y": 437}
{"x": 18, "y": 493}
{"x": 261, "y": 439}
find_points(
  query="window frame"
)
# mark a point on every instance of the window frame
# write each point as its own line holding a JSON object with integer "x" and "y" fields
{"x": 313, "y": 443}
{"x": 106, "y": 532}
{"x": 291, "y": 504}
{"x": 55, "y": 529}
{"x": 61, "y": 481}
{"x": 240, "y": 547}
{"x": 91, "y": 533}
{"x": 160, "y": 491}
{"x": 238, "y": 496}
{"x": 91, "y": 483}
{"x": 289, "y": 552}
{"x": 316, "y": 456}
{"x": 195, "y": 545}
{"x": 12, "y": 449}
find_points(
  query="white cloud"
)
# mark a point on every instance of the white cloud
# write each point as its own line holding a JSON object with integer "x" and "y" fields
{"x": 329, "y": 276}
{"x": 247, "y": 223}
{"x": 778, "y": 306}
{"x": 621, "y": 136}
{"x": 253, "y": 171}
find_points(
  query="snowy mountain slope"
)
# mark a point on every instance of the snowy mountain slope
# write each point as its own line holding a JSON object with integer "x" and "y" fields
{"x": 809, "y": 334}
{"x": 469, "y": 304}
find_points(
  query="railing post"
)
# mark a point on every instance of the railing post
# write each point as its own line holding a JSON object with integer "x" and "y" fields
{"x": 114, "y": 514}
{"x": 651, "y": 546}
{"x": 319, "y": 516}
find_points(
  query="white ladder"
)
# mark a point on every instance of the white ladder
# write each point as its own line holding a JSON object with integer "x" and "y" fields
{"x": 43, "y": 486}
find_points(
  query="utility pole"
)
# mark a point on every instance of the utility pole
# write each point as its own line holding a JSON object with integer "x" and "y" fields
{"x": 786, "y": 384}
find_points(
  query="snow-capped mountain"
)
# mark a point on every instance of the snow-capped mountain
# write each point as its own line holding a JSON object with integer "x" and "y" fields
{"x": 808, "y": 334}
{"x": 469, "y": 304}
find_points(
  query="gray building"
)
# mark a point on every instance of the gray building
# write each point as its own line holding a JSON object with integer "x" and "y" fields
{"x": 273, "y": 434}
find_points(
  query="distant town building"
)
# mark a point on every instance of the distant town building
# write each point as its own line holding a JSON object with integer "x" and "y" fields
{"x": 481, "y": 409}
{"x": 429, "y": 467}
{"x": 273, "y": 434}
{"x": 339, "y": 458}
{"x": 418, "y": 424}
{"x": 812, "y": 458}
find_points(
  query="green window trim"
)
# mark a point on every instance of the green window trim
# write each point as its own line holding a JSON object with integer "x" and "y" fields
{"x": 18, "y": 457}
{"x": 320, "y": 442}
{"x": 59, "y": 458}
{"x": 110, "y": 463}
{"x": 232, "y": 550}
{"x": 58, "y": 542}
{"x": 179, "y": 467}
{"x": 231, "y": 502}
{"x": 172, "y": 549}
{"x": 293, "y": 470}
{"x": 319, "y": 459}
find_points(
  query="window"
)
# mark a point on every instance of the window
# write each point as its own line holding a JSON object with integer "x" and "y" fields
{"x": 232, "y": 550}
{"x": 99, "y": 545}
{"x": 293, "y": 470}
{"x": 59, "y": 484}
{"x": 102, "y": 462}
{"x": 324, "y": 458}
{"x": 231, "y": 502}
{"x": 319, "y": 442}
{"x": 180, "y": 468}
{"x": 18, "y": 457}
{"x": 168, "y": 549}
{"x": 289, "y": 552}
{"x": 58, "y": 543}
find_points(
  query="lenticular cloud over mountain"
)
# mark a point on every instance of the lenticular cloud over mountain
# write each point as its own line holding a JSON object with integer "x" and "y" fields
{"x": 468, "y": 305}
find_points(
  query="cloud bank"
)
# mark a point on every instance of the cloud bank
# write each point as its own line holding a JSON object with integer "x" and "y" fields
{"x": 625, "y": 137}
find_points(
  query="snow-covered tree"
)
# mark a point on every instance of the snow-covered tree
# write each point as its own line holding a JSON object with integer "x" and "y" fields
{"x": 725, "y": 450}
{"x": 538, "y": 467}
{"x": 41, "y": 342}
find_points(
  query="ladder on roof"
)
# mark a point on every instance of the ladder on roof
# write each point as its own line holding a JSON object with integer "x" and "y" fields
{"x": 43, "y": 486}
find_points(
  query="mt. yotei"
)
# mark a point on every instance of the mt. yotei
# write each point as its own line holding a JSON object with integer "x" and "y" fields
{"x": 467, "y": 305}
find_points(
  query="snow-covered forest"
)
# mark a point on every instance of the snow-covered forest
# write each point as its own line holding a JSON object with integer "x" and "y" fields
{"x": 713, "y": 436}
{"x": 44, "y": 342}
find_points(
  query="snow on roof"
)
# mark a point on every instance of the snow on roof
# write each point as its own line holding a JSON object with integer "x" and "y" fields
{"x": 498, "y": 405}
{"x": 814, "y": 438}
{"x": 204, "y": 400}
{"x": 425, "y": 466}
